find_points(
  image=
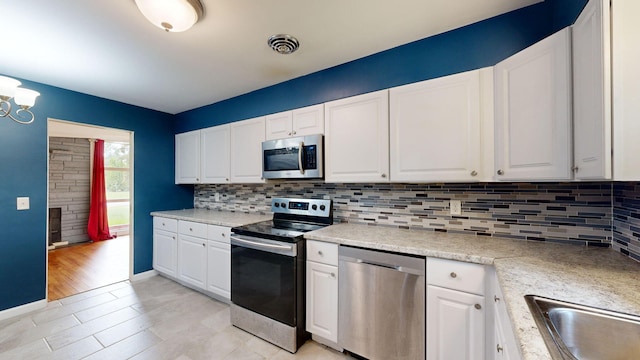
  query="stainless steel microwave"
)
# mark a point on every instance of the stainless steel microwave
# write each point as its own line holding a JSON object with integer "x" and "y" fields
{"x": 293, "y": 158}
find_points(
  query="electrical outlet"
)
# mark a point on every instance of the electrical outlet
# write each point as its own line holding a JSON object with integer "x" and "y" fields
{"x": 216, "y": 197}
{"x": 455, "y": 207}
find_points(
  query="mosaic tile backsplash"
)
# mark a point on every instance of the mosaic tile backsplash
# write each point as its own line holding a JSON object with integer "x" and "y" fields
{"x": 578, "y": 213}
{"x": 626, "y": 219}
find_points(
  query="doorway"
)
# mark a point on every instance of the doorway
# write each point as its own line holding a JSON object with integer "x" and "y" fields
{"x": 74, "y": 263}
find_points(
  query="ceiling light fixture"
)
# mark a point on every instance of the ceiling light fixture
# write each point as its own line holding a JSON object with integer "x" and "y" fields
{"x": 171, "y": 15}
{"x": 283, "y": 44}
{"x": 24, "y": 98}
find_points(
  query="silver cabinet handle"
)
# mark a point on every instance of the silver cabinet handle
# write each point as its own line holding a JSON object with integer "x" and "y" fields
{"x": 477, "y": 306}
{"x": 300, "y": 149}
{"x": 499, "y": 348}
{"x": 333, "y": 275}
{"x": 453, "y": 275}
{"x": 500, "y": 172}
{"x": 384, "y": 175}
{"x": 496, "y": 298}
{"x": 575, "y": 169}
{"x": 319, "y": 252}
{"x": 223, "y": 235}
{"x": 190, "y": 229}
{"x": 474, "y": 173}
{"x": 294, "y": 132}
{"x": 289, "y": 133}
{"x": 203, "y": 245}
{"x": 173, "y": 237}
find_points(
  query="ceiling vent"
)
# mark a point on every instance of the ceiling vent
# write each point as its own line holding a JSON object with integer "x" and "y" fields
{"x": 283, "y": 43}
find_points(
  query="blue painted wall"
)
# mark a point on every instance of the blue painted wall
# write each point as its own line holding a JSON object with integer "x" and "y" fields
{"x": 23, "y": 153}
{"x": 471, "y": 47}
{"x": 23, "y": 172}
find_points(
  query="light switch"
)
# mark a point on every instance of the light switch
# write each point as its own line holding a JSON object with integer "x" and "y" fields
{"x": 23, "y": 203}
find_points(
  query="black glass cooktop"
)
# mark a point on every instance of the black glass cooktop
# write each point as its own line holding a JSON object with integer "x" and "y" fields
{"x": 277, "y": 230}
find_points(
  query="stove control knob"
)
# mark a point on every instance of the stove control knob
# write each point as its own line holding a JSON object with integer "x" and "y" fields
{"x": 283, "y": 205}
{"x": 314, "y": 207}
{"x": 322, "y": 207}
{"x": 277, "y": 204}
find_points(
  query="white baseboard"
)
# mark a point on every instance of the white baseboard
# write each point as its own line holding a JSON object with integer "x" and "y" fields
{"x": 143, "y": 275}
{"x": 23, "y": 309}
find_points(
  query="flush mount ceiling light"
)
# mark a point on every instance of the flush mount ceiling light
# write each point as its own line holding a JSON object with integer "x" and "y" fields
{"x": 283, "y": 43}
{"x": 171, "y": 15}
{"x": 24, "y": 98}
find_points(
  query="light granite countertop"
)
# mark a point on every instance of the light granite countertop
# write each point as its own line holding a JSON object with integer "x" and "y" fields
{"x": 214, "y": 217}
{"x": 597, "y": 277}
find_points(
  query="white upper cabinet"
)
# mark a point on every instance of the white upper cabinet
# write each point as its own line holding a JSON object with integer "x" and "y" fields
{"x": 188, "y": 157}
{"x": 435, "y": 128}
{"x": 533, "y": 112}
{"x": 299, "y": 122}
{"x": 246, "y": 150}
{"x": 592, "y": 92}
{"x": 357, "y": 138}
{"x": 626, "y": 89}
{"x": 214, "y": 144}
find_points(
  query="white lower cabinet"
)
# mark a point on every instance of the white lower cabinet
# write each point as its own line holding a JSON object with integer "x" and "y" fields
{"x": 192, "y": 260}
{"x": 322, "y": 292}
{"x": 456, "y": 313}
{"x": 219, "y": 261}
{"x": 195, "y": 254}
{"x": 165, "y": 245}
{"x": 504, "y": 346}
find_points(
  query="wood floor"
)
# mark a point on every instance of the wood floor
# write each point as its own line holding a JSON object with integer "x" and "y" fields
{"x": 80, "y": 268}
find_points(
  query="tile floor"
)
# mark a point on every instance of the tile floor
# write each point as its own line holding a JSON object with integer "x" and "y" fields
{"x": 154, "y": 319}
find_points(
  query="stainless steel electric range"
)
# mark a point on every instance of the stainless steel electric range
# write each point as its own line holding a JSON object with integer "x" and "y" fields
{"x": 268, "y": 271}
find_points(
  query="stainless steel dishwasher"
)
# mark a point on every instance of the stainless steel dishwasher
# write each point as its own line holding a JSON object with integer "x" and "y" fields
{"x": 381, "y": 304}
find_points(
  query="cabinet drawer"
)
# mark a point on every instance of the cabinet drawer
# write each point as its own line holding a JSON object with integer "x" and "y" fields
{"x": 456, "y": 275}
{"x": 165, "y": 224}
{"x": 322, "y": 252}
{"x": 218, "y": 233}
{"x": 193, "y": 229}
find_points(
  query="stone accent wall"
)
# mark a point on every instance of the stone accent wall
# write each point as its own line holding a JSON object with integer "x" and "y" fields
{"x": 578, "y": 213}
{"x": 69, "y": 185}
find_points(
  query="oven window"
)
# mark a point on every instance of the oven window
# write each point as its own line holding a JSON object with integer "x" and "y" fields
{"x": 264, "y": 283}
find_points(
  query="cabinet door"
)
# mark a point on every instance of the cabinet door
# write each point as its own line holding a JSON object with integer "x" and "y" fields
{"x": 165, "y": 250}
{"x": 455, "y": 325}
{"x": 215, "y": 157}
{"x": 533, "y": 112}
{"x": 188, "y": 157}
{"x": 246, "y": 151}
{"x": 435, "y": 130}
{"x": 279, "y": 126}
{"x": 626, "y": 89}
{"x": 357, "y": 139}
{"x": 322, "y": 300}
{"x": 219, "y": 269}
{"x": 592, "y": 92}
{"x": 308, "y": 120}
{"x": 192, "y": 260}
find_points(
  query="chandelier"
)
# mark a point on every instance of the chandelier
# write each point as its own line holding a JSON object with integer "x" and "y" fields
{"x": 24, "y": 98}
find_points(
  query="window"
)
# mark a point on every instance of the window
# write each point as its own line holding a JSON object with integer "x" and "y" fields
{"x": 116, "y": 174}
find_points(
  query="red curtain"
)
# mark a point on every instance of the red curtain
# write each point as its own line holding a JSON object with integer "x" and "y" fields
{"x": 98, "y": 227}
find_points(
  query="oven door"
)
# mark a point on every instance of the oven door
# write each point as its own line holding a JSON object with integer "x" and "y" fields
{"x": 264, "y": 277}
{"x": 299, "y": 157}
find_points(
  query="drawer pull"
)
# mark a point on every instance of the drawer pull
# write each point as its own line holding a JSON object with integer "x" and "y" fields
{"x": 499, "y": 348}
{"x": 223, "y": 235}
{"x": 333, "y": 275}
{"x": 163, "y": 224}
{"x": 190, "y": 229}
{"x": 203, "y": 245}
{"x": 319, "y": 252}
{"x": 496, "y": 298}
{"x": 453, "y": 275}
{"x": 478, "y": 306}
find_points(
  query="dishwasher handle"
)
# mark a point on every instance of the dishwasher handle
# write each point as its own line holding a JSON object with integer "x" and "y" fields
{"x": 392, "y": 261}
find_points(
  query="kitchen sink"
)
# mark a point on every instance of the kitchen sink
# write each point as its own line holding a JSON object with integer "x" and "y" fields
{"x": 573, "y": 331}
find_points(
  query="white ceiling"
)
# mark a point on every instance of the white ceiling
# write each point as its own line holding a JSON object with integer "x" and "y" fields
{"x": 108, "y": 49}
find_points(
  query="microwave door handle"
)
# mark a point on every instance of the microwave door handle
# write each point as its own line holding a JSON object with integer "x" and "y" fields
{"x": 300, "y": 150}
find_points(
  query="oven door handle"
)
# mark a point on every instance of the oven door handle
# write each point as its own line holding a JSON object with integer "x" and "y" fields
{"x": 258, "y": 244}
{"x": 300, "y": 151}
